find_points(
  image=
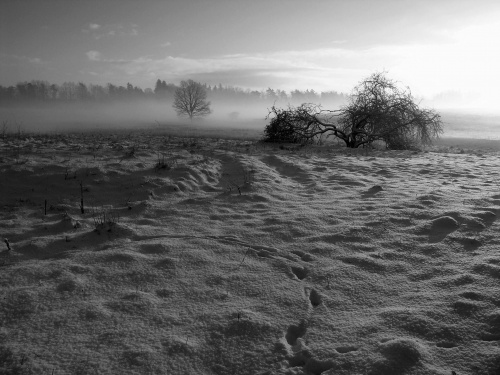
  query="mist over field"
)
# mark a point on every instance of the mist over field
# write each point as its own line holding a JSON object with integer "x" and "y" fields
{"x": 122, "y": 115}
{"x": 141, "y": 114}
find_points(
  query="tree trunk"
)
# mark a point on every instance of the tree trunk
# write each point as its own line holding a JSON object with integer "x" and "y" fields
{"x": 350, "y": 142}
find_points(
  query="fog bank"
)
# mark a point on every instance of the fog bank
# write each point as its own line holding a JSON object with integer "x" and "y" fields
{"x": 147, "y": 114}
{"x": 62, "y": 117}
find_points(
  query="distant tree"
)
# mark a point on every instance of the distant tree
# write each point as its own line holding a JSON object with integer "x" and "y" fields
{"x": 98, "y": 93}
{"x": 297, "y": 96}
{"x": 190, "y": 100}
{"x": 53, "y": 92}
{"x": 130, "y": 88}
{"x": 41, "y": 90}
{"x": 333, "y": 98}
{"x": 26, "y": 91}
{"x": 254, "y": 95}
{"x": 271, "y": 95}
{"x": 67, "y": 91}
{"x": 158, "y": 86}
{"x": 164, "y": 90}
{"x": 311, "y": 96}
{"x": 282, "y": 95}
{"x": 377, "y": 110}
{"x": 112, "y": 90}
{"x": 122, "y": 92}
{"x": 82, "y": 92}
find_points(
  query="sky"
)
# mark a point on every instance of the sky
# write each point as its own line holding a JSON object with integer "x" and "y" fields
{"x": 430, "y": 46}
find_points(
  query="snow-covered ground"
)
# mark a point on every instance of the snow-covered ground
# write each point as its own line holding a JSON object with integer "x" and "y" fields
{"x": 209, "y": 256}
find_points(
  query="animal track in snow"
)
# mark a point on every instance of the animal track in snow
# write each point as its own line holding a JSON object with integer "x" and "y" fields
{"x": 301, "y": 355}
{"x": 264, "y": 254}
{"x": 441, "y": 227}
{"x": 346, "y": 349}
{"x": 300, "y": 273}
{"x": 314, "y": 297}
{"x": 295, "y": 332}
{"x": 304, "y": 256}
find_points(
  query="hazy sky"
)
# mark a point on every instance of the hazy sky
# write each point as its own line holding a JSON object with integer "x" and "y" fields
{"x": 431, "y": 46}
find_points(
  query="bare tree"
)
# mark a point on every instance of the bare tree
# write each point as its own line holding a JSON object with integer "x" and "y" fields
{"x": 190, "y": 100}
{"x": 378, "y": 109}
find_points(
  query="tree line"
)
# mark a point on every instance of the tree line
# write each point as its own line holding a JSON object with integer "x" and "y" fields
{"x": 37, "y": 91}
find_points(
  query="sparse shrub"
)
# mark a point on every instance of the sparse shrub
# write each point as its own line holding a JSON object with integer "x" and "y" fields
{"x": 402, "y": 141}
{"x": 163, "y": 163}
{"x": 377, "y": 110}
{"x": 245, "y": 180}
{"x": 20, "y": 132}
{"x": 95, "y": 146}
{"x": 5, "y": 128}
{"x": 282, "y": 128}
{"x": 82, "y": 207}
{"x": 104, "y": 219}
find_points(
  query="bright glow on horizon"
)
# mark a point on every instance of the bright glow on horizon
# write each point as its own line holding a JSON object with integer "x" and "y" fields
{"x": 432, "y": 47}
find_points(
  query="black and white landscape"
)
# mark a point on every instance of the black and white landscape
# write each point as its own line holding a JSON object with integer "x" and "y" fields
{"x": 264, "y": 187}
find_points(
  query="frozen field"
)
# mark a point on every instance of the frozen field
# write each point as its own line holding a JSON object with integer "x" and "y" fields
{"x": 213, "y": 256}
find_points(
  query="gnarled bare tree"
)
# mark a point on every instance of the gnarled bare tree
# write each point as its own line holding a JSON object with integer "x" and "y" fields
{"x": 190, "y": 100}
{"x": 378, "y": 109}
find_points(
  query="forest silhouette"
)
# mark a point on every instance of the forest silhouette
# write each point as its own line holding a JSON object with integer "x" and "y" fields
{"x": 37, "y": 91}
